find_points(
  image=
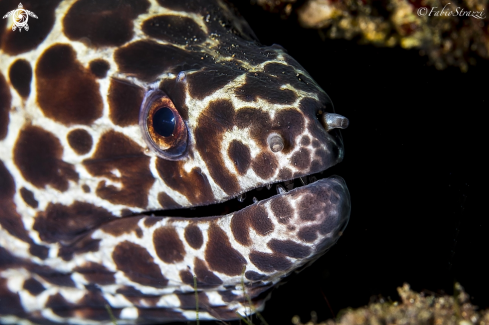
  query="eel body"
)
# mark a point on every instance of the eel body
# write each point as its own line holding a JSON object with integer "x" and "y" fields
{"x": 152, "y": 152}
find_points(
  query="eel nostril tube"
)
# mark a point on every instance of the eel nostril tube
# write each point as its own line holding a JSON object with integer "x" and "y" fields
{"x": 334, "y": 121}
{"x": 276, "y": 142}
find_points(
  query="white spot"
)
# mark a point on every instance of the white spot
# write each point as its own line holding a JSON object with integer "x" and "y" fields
{"x": 129, "y": 313}
{"x": 116, "y": 172}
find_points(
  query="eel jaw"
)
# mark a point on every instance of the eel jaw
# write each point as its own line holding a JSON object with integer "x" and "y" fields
{"x": 256, "y": 246}
{"x": 310, "y": 218}
{"x": 297, "y": 239}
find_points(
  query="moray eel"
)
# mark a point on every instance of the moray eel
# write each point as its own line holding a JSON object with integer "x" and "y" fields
{"x": 152, "y": 152}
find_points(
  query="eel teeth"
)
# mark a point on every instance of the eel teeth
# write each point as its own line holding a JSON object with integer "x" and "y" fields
{"x": 241, "y": 197}
{"x": 281, "y": 189}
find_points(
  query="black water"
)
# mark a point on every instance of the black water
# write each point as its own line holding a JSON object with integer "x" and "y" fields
{"x": 416, "y": 168}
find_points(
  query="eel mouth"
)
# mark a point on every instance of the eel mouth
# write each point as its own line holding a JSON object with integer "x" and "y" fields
{"x": 248, "y": 198}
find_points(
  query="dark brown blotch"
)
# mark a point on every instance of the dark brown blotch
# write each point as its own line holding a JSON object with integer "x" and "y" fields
{"x": 126, "y": 213}
{"x": 282, "y": 209}
{"x": 285, "y": 174}
{"x": 240, "y": 155}
{"x": 86, "y": 244}
{"x": 60, "y": 306}
{"x": 80, "y": 141}
{"x": 220, "y": 255}
{"x": 129, "y": 291}
{"x": 260, "y": 221}
{"x": 151, "y": 221}
{"x": 193, "y": 236}
{"x": 305, "y": 140}
{"x": 93, "y": 306}
{"x": 208, "y": 80}
{"x": 240, "y": 227}
{"x": 5, "y": 102}
{"x": 187, "y": 300}
{"x": 33, "y": 286}
{"x": 96, "y": 273}
{"x": 7, "y": 184}
{"x": 146, "y": 59}
{"x": 310, "y": 207}
{"x": 301, "y": 159}
{"x": 211, "y": 126}
{"x": 266, "y": 87}
{"x": 259, "y": 123}
{"x": 39, "y": 251}
{"x": 56, "y": 72}
{"x": 117, "y": 151}
{"x": 205, "y": 278}
{"x": 7, "y": 260}
{"x": 264, "y": 165}
{"x": 10, "y": 220}
{"x": 316, "y": 165}
{"x": 193, "y": 185}
{"x": 137, "y": 297}
{"x": 289, "y": 248}
{"x": 55, "y": 277}
{"x": 174, "y": 29}
{"x": 124, "y": 102}
{"x": 308, "y": 233}
{"x": 254, "y": 216}
{"x": 255, "y": 276}
{"x": 250, "y": 116}
{"x": 61, "y": 223}
{"x": 38, "y": 155}
{"x": 142, "y": 269}
{"x": 269, "y": 262}
{"x": 227, "y": 295}
{"x": 167, "y": 202}
{"x": 187, "y": 277}
{"x": 103, "y": 23}
{"x": 168, "y": 245}
{"x": 99, "y": 68}
{"x": 121, "y": 226}
{"x": 28, "y": 197}
{"x": 20, "y": 75}
{"x": 139, "y": 232}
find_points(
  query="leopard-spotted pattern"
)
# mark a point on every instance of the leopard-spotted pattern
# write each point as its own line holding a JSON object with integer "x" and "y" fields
{"x": 79, "y": 177}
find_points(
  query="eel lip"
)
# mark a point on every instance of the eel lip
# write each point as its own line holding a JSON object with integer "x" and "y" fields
{"x": 314, "y": 215}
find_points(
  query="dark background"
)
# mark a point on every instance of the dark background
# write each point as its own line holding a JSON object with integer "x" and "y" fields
{"x": 415, "y": 168}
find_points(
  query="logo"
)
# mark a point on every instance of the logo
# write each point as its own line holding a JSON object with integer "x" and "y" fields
{"x": 20, "y": 17}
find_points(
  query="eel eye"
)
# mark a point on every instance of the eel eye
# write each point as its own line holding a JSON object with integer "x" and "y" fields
{"x": 164, "y": 121}
{"x": 163, "y": 128}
